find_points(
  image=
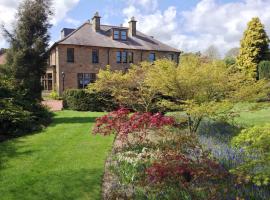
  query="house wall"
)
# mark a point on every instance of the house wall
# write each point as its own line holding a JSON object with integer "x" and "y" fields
{"x": 3, "y": 59}
{"x": 83, "y": 62}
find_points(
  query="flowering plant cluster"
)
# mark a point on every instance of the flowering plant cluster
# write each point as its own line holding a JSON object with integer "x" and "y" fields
{"x": 122, "y": 123}
{"x": 169, "y": 165}
{"x": 133, "y": 158}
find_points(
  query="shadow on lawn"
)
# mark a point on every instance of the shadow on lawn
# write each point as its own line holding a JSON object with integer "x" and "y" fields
{"x": 64, "y": 185}
{"x": 9, "y": 149}
{"x": 73, "y": 120}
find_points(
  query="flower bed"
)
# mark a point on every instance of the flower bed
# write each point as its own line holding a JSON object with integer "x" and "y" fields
{"x": 153, "y": 159}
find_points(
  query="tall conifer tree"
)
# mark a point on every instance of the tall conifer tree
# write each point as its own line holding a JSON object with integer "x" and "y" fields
{"x": 29, "y": 43}
{"x": 254, "y": 48}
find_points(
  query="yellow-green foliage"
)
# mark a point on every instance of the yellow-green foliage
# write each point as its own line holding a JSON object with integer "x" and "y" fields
{"x": 256, "y": 142}
{"x": 54, "y": 95}
{"x": 200, "y": 87}
{"x": 128, "y": 89}
{"x": 203, "y": 88}
{"x": 195, "y": 79}
{"x": 254, "y": 48}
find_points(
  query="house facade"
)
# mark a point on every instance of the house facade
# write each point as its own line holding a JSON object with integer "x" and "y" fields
{"x": 76, "y": 59}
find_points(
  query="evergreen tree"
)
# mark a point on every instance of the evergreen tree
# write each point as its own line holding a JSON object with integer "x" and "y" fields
{"x": 27, "y": 56}
{"x": 254, "y": 48}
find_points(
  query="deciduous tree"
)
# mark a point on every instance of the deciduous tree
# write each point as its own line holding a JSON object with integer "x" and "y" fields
{"x": 212, "y": 53}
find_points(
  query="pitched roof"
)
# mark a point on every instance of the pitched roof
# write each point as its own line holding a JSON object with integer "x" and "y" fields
{"x": 85, "y": 35}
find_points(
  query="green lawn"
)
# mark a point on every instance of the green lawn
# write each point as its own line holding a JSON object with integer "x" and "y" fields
{"x": 254, "y": 116}
{"x": 64, "y": 161}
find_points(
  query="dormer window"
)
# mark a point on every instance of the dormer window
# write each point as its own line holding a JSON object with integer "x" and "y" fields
{"x": 123, "y": 35}
{"x": 116, "y": 34}
{"x": 119, "y": 34}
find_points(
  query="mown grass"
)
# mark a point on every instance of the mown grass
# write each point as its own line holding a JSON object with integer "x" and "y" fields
{"x": 64, "y": 161}
{"x": 253, "y": 114}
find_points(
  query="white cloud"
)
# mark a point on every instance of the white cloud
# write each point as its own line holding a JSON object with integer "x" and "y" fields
{"x": 61, "y": 8}
{"x": 8, "y": 10}
{"x": 207, "y": 23}
{"x": 72, "y": 21}
{"x": 146, "y": 5}
{"x": 158, "y": 24}
{"x": 224, "y": 24}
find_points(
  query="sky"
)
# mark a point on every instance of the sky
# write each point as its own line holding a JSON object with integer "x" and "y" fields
{"x": 189, "y": 25}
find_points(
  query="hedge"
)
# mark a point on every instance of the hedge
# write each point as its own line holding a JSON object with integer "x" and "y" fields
{"x": 81, "y": 100}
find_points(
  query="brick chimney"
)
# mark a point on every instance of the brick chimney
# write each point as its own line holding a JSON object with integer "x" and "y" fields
{"x": 96, "y": 22}
{"x": 132, "y": 26}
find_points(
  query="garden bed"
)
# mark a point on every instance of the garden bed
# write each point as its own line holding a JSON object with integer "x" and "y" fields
{"x": 167, "y": 162}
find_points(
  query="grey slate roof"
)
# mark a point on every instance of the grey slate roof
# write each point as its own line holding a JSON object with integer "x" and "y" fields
{"x": 85, "y": 35}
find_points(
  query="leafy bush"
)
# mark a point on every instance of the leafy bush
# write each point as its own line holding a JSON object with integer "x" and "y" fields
{"x": 256, "y": 142}
{"x": 81, "y": 100}
{"x": 122, "y": 124}
{"x": 54, "y": 95}
{"x": 264, "y": 70}
{"x": 13, "y": 117}
{"x": 17, "y": 114}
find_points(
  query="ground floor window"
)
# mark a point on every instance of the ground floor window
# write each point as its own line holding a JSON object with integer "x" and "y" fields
{"x": 47, "y": 81}
{"x": 85, "y": 78}
{"x": 171, "y": 57}
{"x": 152, "y": 57}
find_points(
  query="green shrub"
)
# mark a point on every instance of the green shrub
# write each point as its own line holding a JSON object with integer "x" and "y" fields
{"x": 19, "y": 115}
{"x": 264, "y": 70}
{"x": 54, "y": 95}
{"x": 81, "y": 100}
{"x": 13, "y": 118}
{"x": 256, "y": 142}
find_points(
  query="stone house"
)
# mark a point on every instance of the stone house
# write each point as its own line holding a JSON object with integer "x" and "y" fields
{"x": 76, "y": 59}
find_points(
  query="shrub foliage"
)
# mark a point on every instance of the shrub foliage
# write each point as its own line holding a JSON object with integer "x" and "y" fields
{"x": 256, "y": 142}
{"x": 81, "y": 100}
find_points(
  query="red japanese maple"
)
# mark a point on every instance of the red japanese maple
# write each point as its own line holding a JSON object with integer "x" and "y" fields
{"x": 122, "y": 122}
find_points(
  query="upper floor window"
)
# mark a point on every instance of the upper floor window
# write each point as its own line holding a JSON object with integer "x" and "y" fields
{"x": 85, "y": 79}
{"x": 124, "y": 57}
{"x": 123, "y": 35}
{"x": 70, "y": 55}
{"x": 118, "y": 56}
{"x": 130, "y": 57}
{"x": 116, "y": 34}
{"x": 152, "y": 57}
{"x": 95, "y": 56}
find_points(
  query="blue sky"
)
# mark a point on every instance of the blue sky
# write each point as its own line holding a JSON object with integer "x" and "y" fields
{"x": 190, "y": 25}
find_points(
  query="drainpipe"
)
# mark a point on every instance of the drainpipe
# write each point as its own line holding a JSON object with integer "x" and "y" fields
{"x": 108, "y": 54}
